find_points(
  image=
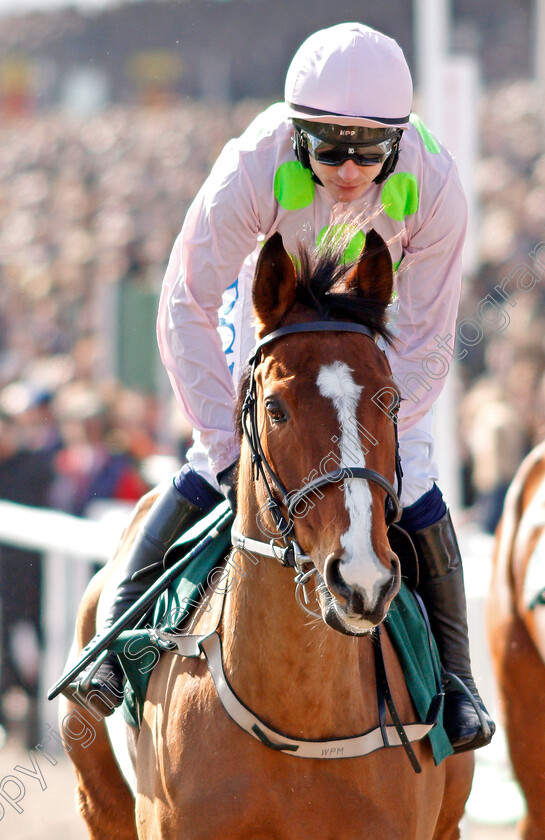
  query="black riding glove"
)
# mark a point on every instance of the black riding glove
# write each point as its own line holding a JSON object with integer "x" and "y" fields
{"x": 227, "y": 480}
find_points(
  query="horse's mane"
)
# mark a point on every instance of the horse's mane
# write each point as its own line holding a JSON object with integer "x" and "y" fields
{"x": 321, "y": 273}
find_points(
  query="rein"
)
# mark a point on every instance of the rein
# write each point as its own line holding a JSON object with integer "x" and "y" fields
{"x": 291, "y": 555}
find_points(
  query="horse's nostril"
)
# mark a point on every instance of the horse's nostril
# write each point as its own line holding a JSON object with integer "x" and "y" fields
{"x": 347, "y": 595}
{"x": 335, "y": 581}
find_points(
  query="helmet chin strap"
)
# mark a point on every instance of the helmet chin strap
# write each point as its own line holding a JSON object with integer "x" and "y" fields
{"x": 302, "y": 155}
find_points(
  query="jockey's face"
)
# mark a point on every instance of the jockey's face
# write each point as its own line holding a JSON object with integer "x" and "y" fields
{"x": 347, "y": 182}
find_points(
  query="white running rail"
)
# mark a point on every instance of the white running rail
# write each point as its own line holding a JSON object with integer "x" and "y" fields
{"x": 72, "y": 548}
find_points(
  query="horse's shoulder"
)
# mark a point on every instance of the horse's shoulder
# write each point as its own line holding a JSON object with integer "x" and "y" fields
{"x": 207, "y": 617}
{"x": 530, "y": 475}
{"x": 522, "y": 491}
{"x": 86, "y": 617}
{"x": 396, "y": 677}
{"x": 523, "y": 520}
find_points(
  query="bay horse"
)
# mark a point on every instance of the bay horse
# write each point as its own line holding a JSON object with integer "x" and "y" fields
{"x": 189, "y": 771}
{"x": 515, "y": 621}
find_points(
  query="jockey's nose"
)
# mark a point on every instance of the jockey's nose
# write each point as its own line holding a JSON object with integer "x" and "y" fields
{"x": 349, "y": 171}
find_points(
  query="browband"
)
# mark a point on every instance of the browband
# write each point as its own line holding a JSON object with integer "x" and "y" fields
{"x": 312, "y": 326}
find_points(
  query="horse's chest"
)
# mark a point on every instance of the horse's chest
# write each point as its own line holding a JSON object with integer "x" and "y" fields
{"x": 217, "y": 782}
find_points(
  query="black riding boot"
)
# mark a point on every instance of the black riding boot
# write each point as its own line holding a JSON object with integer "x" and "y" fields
{"x": 441, "y": 587}
{"x": 170, "y": 515}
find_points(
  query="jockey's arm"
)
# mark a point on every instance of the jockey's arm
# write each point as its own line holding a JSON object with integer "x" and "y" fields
{"x": 219, "y": 232}
{"x": 429, "y": 287}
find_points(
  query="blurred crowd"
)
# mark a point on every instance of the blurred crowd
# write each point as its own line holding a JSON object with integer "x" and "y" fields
{"x": 502, "y": 378}
{"x": 87, "y": 204}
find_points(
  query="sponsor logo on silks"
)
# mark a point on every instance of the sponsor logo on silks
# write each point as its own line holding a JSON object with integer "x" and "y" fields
{"x": 226, "y": 328}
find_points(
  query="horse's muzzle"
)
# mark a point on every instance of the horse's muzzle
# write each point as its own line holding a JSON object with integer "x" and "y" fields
{"x": 361, "y": 610}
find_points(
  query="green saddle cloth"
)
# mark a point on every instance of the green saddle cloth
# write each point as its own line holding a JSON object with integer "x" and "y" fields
{"x": 405, "y": 623}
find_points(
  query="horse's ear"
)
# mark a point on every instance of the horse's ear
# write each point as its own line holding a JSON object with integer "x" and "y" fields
{"x": 373, "y": 275}
{"x": 273, "y": 292}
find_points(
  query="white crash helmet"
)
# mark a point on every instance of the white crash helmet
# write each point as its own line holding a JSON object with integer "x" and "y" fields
{"x": 350, "y": 74}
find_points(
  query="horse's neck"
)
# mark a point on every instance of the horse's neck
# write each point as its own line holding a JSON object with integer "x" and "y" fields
{"x": 295, "y": 672}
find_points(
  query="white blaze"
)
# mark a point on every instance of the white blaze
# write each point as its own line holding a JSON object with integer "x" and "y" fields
{"x": 361, "y": 567}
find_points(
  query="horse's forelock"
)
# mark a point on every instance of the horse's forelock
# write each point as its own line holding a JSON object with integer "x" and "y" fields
{"x": 320, "y": 287}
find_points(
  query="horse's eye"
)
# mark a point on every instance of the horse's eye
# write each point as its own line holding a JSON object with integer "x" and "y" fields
{"x": 393, "y": 410}
{"x": 275, "y": 411}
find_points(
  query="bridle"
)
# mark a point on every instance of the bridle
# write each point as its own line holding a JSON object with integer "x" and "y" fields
{"x": 291, "y": 554}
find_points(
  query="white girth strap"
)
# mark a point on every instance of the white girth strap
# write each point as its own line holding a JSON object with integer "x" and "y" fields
{"x": 353, "y": 747}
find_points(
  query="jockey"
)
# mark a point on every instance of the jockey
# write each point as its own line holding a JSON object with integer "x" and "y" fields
{"x": 343, "y": 147}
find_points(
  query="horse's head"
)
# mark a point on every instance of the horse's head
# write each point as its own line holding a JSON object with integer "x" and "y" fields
{"x": 322, "y": 423}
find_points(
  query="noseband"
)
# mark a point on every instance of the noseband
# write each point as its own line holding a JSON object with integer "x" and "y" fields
{"x": 292, "y": 555}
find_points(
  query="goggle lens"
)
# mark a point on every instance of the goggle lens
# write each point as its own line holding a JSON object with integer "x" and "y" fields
{"x": 335, "y": 154}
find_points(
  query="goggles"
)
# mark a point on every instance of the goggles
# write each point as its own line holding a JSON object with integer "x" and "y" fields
{"x": 334, "y": 154}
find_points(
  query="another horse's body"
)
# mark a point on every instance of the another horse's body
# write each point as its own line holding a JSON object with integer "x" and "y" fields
{"x": 516, "y": 633}
{"x": 199, "y": 776}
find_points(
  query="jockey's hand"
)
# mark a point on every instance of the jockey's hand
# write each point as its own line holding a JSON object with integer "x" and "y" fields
{"x": 227, "y": 480}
